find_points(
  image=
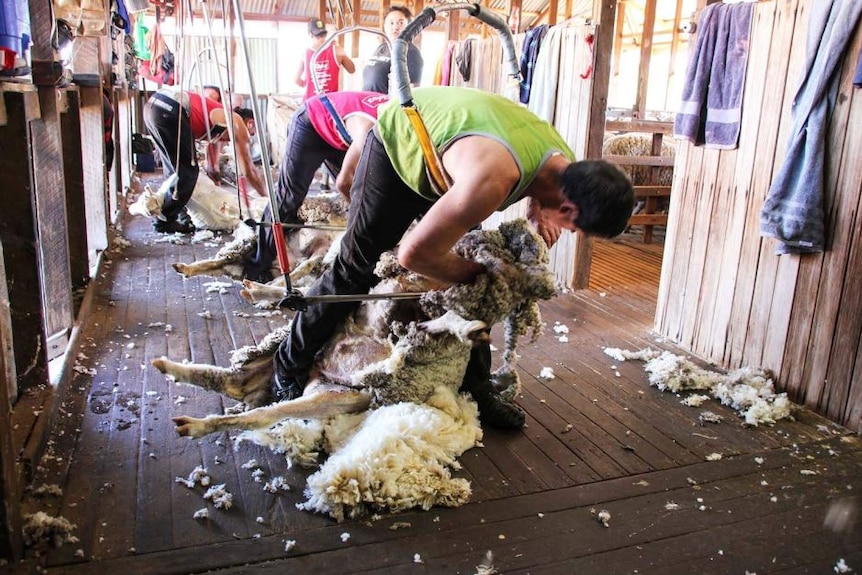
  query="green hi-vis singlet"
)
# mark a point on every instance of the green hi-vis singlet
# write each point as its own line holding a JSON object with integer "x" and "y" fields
{"x": 453, "y": 113}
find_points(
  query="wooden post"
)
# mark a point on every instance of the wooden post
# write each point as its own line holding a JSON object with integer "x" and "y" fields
{"x": 646, "y": 57}
{"x": 515, "y": 15}
{"x": 11, "y": 541}
{"x": 674, "y": 48}
{"x": 418, "y": 6}
{"x": 357, "y": 20}
{"x": 604, "y": 12}
{"x": 73, "y": 173}
{"x": 553, "y": 9}
{"x": 453, "y": 25}
{"x": 19, "y": 238}
{"x": 618, "y": 37}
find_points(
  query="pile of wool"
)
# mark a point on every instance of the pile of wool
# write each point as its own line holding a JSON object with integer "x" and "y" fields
{"x": 40, "y": 527}
{"x": 393, "y": 458}
{"x": 330, "y": 208}
{"x": 749, "y": 390}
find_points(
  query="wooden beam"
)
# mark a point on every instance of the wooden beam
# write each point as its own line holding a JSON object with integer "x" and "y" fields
{"x": 514, "y": 16}
{"x": 453, "y": 25}
{"x": 73, "y": 174}
{"x": 674, "y": 48}
{"x": 11, "y": 540}
{"x": 646, "y": 57}
{"x": 604, "y": 14}
{"x": 618, "y": 37}
{"x": 357, "y": 20}
{"x": 553, "y": 10}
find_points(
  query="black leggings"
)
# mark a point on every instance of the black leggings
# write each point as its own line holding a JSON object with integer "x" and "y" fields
{"x": 169, "y": 125}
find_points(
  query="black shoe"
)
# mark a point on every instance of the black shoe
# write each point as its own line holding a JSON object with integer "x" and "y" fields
{"x": 173, "y": 227}
{"x": 285, "y": 388}
{"x": 497, "y": 412}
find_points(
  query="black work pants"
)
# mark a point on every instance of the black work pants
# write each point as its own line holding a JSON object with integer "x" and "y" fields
{"x": 170, "y": 127}
{"x": 304, "y": 152}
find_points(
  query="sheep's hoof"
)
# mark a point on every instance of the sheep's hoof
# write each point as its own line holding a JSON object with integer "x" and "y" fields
{"x": 190, "y": 426}
{"x": 160, "y": 363}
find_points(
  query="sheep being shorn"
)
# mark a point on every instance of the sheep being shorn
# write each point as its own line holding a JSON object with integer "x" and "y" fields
{"x": 307, "y": 247}
{"x": 404, "y": 361}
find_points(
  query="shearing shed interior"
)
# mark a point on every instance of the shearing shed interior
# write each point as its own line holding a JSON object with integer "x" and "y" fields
{"x": 682, "y": 397}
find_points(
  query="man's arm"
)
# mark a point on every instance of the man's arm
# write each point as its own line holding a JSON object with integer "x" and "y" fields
{"x": 242, "y": 144}
{"x": 299, "y": 79}
{"x": 483, "y": 174}
{"x": 357, "y": 127}
{"x": 344, "y": 60}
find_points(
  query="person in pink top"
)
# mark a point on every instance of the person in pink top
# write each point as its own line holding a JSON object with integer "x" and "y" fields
{"x": 175, "y": 119}
{"x": 328, "y": 63}
{"x": 314, "y": 138}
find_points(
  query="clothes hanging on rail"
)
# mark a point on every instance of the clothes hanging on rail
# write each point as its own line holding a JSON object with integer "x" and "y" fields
{"x": 711, "y": 109}
{"x": 464, "y": 59}
{"x": 529, "y": 53}
{"x": 543, "y": 92}
{"x": 793, "y": 211}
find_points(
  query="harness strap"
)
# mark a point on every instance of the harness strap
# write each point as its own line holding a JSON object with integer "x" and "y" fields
{"x": 440, "y": 180}
{"x": 339, "y": 124}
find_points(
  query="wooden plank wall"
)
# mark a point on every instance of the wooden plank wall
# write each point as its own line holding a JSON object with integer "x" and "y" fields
{"x": 724, "y": 293}
{"x": 570, "y": 119}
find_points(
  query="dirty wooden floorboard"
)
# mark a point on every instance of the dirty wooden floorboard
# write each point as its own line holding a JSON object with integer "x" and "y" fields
{"x": 598, "y": 438}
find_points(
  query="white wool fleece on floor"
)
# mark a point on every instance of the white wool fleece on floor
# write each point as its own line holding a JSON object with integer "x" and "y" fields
{"x": 393, "y": 458}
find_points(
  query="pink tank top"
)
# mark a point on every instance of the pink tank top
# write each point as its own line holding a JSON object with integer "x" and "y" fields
{"x": 197, "y": 104}
{"x": 325, "y": 70}
{"x": 346, "y": 104}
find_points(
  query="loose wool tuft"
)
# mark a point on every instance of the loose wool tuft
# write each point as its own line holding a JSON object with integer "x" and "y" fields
{"x": 749, "y": 390}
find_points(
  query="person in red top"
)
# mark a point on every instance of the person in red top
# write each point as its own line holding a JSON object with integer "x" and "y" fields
{"x": 327, "y": 65}
{"x": 175, "y": 119}
{"x": 313, "y": 138}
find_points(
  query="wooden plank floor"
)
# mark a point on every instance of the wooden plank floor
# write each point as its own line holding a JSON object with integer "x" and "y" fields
{"x": 598, "y": 438}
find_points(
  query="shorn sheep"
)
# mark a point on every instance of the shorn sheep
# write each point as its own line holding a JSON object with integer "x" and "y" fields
{"x": 307, "y": 247}
{"x": 385, "y": 388}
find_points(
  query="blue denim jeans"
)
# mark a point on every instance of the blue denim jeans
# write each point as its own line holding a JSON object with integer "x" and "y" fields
{"x": 170, "y": 127}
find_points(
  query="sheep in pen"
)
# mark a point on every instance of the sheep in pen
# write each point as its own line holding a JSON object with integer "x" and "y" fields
{"x": 385, "y": 389}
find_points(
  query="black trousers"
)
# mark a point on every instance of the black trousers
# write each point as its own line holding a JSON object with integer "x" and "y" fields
{"x": 170, "y": 127}
{"x": 382, "y": 208}
{"x": 304, "y": 152}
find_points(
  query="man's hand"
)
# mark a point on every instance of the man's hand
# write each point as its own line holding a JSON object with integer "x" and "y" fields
{"x": 547, "y": 230}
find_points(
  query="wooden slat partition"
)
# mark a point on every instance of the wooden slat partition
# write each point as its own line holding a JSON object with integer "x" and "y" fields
{"x": 725, "y": 294}
{"x": 571, "y": 118}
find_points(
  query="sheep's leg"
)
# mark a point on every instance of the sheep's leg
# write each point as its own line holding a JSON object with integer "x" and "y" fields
{"x": 465, "y": 330}
{"x": 249, "y": 383}
{"x": 254, "y": 292}
{"x": 204, "y": 267}
{"x": 318, "y": 402}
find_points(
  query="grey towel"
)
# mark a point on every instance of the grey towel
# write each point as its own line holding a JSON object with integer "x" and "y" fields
{"x": 793, "y": 211}
{"x": 711, "y": 107}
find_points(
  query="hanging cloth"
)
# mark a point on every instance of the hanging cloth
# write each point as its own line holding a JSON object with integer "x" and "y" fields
{"x": 464, "y": 59}
{"x": 543, "y": 91}
{"x": 711, "y": 109}
{"x": 793, "y": 211}
{"x": 529, "y": 54}
{"x": 857, "y": 79}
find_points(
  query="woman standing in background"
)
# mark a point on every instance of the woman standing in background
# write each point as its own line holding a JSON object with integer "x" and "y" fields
{"x": 375, "y": 76}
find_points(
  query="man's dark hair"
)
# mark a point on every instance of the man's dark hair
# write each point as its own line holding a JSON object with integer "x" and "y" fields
{"x": 403, "y": 9}
{"x": 603, "y": 194}
{"x": 216, "y": 89}
{"x": 244, "y": 113}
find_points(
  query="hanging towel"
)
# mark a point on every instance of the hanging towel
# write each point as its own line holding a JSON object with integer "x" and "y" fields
{"x": 529, "y": 53}
{"x": 793, "y": 211}
{"x": 464, "y": 59}
{"x": 543, "y": 92}
{"x": 711, "y": 107}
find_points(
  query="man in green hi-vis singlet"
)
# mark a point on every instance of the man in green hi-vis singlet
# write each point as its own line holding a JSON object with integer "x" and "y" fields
{"x": 496, "y": 152}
